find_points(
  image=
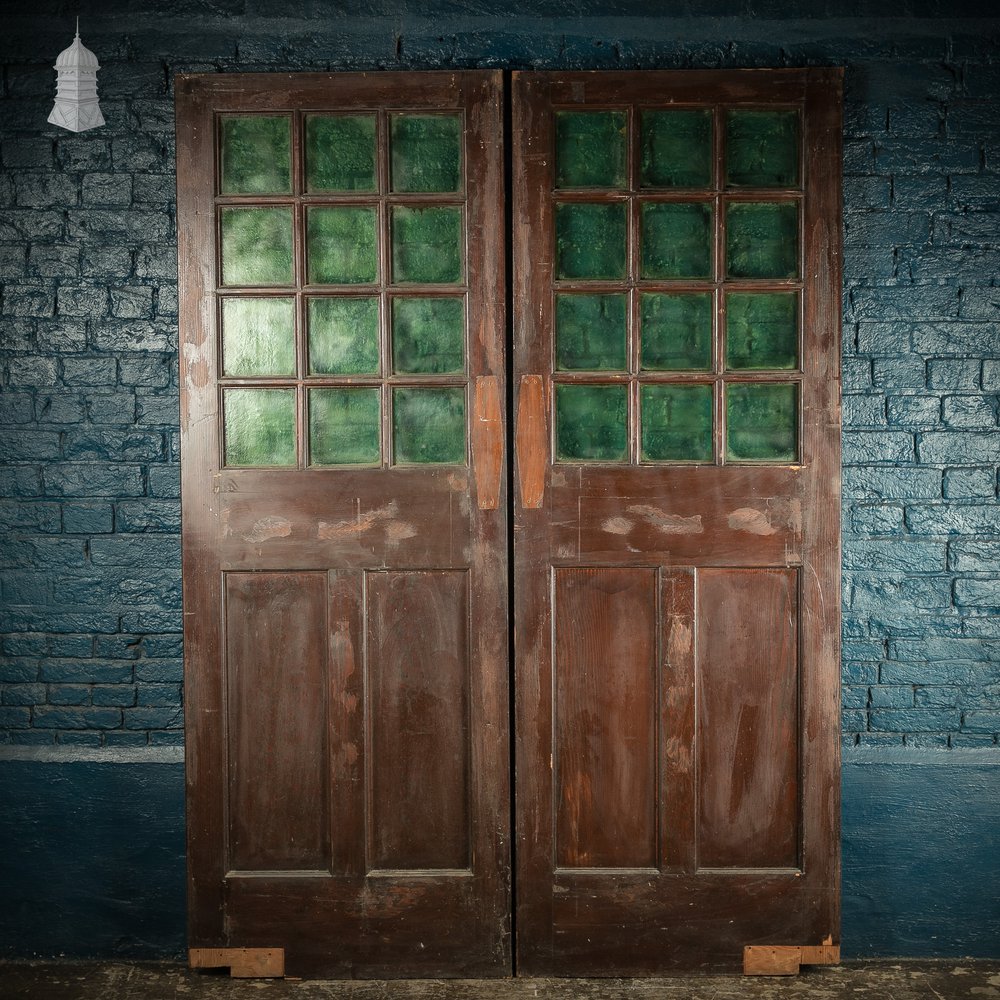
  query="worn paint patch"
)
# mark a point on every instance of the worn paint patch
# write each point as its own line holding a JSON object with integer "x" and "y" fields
{"x": 617, "y": 525}
{"x": 667, "y": 523}
{"x": 268, "y": 527}
{"x": 752, "y": 521}
{"x": 359, "y": 525}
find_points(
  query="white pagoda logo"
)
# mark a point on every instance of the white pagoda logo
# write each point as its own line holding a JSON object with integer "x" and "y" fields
{"x": 76, "y": 106}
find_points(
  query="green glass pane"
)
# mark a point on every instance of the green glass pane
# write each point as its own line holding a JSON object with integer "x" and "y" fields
{"x": 590, "y": 241}
{"x": 762, "y": 330}
{"x": 677, "y": 240}
{"x": 258, "y": 336}
{"x": 257, "y": 246}
{"x": 676, "y": 149}
{"x": 590, "y": 149}
{"x": 259, "y": 426}
{"x": 762, "y": 148}
{"x": 344, "y": 426}
{"x": 256, "y": 157}
{"x": 428, "y": 425}
{"x": 676, "y": 331}
{"x": 426, "y": 152}
{"x": 591, "y": 423}
{"x": 342, "y": 245}
{"x": 428, "y": 335}
{"x": 762, "y": 240}
{"x": 343, "y": 336}
{"x": 427, "y": 244}
{"x": 340, "y": 153}
{"x": 590, "y": 332}
{"x": 676, "y": 423}
{"x": 761, "y": 423}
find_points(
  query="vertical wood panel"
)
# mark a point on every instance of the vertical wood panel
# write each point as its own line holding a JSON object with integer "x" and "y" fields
{"x": 277, "y": 675}
{"x": 747, "y": 725}
{"x": 418, "y": 671}
{"x": 677, "y": 820}
{"x": 605, "y": 717}
{"x": 347, "y": 725}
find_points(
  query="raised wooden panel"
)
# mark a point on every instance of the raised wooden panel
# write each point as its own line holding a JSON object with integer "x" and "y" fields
{"x": 747, "y": 722}
{"x": 605, "y": 717}
{"x": 276, "y": 671}
{"x": 418, "y": 717}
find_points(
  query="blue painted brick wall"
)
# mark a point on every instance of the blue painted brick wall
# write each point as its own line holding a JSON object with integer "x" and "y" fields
{"x": 89, "y": 563}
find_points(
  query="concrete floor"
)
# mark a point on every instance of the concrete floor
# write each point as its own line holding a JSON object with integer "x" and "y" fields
{"x": 951, "y": 980}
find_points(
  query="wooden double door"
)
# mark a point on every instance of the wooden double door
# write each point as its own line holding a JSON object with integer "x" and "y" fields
{"x": 511, "y": 659}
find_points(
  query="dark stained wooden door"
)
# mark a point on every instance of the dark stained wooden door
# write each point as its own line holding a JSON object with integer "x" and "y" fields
{"x": 676, "y": 352}
{"x": 342, "y": 367}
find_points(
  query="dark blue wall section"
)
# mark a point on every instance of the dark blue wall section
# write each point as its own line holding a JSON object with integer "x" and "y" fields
{"x": 92, "y": 858}
{"x": 921, "y": 853}
{"x": 90, "y": 616}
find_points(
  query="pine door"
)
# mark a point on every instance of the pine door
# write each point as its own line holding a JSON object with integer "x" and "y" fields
{"x": 342, "y": 362}
{"x": 676, "y": 592}
{"x": 673, "y": 515}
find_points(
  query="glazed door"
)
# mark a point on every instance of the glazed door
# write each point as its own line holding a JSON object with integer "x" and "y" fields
{"x": 342, "y": 368}
{"x": 676, "y": 351}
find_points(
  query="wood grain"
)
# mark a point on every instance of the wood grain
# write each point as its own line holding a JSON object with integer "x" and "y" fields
{"x": 487, "y": 441}
{"x": 531, "y": 441}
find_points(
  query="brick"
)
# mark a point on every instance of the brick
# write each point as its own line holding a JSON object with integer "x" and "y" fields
{"x": 84, "y": 152}
{"x": 977, "y": 593}
{"x": 895, "y": 555}
{"x": 17, "y": 408}
{"x": 50, "y": 190}
{"x": 893, "y": 228}
{"x": 979, "y": 192}
{"x": 68, "y": 694}
{"x": 107, "y": 189}
{"x": 167, "y": 670}
{"x": 137, "y": 153}
{"x": 28, "y": 300}
{"x": 112, "y": 444}
{"x": 159, "y": 695}
{"x": 120, "y": 738}
{"x": 967, "y": 556}
{"x": 91, "y": 671}
{"x": 920, "y": 191}
{"x": 156, "y": 188}
{"x": 914, "y": 720}
{"x": 119, "y": 335}
{"x": 906, "y": 302}
{"x": 20, "y": 446}
{"x": 31, "y": 224}
{"x": 71, "y": 645}
{"x": 891, "y": 697}
{"x": 109, "y": 260}
{"x": 148, "y": 515}
{"x": 14, "y": 717}
{"x": 926, "y": 156}
{"x": 93, "y": 480}
{"x": 82, "y": 300}
{"x": 953, "y": 519}
{"x": 867, "y": 192}
{"x": 31, "y": 737}
{"x": 956, "y": 338}
{"x": 856, "y": 375}
{"x": 154, "y": 718}
{"x": 967, "y": 484}
{"x": 860, "y": 673}
{"x": 864, "y": 410}
{"x": 898, "y": 373}
{"x": 23, "y": 694}
{"x": 981, "y": 305}
{"x": 60, "y": 408}
{"x": 20, "y": 481}
{"x": 19, "y": 152}
{"x": 949, "y": 263}
{"x": 173, "y": 738}
{"x": 913, "y": 411}
{"x": 45, "y": 717}
{"x": 15, "y": 671}
{"x": 156, "y": 263}
{"x": 970, "y": 411}
{"x": 74, "y": 738}
{"x": 130, "y": 550}
{"x": 854, "y": 697}
{"x": 89, "y": 371}
{"x": 936, "y": 697}
{"x": 981, "y": 722}
{"x": 120, "y": 695}
{"x": 151, "y": 371}
{"x": 107, "y": 225}
{"x": 132, "y": 302}
{"x": 970, "y": 117}
{"x": 54, "y": 260}
{"x": 884, "y": 592}
{"x": 880, "y": 483}
{"x": 950, "y": 447}
{"x": 61, "y": 336}
{"x": 88, "y": 518}
{"x": 866, "y": 447}
{"x": 877, "y": 519}
{"x": 166, "y": 301}
{"x": 164, "y": 481}
{"x": 116, "y": 408}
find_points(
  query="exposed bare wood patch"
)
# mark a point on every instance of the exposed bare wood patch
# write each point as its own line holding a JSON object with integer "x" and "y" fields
{"x": 243, "y": 963}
